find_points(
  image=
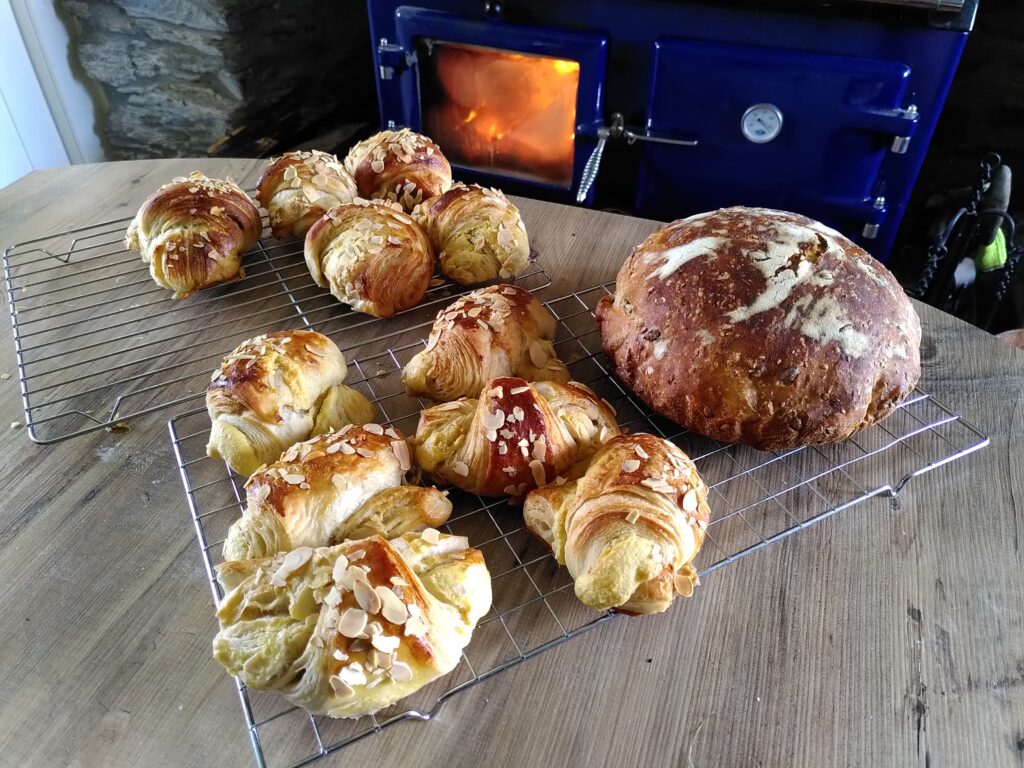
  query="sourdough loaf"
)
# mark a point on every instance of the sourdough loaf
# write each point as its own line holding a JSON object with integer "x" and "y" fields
{"x": 762, "y": 327}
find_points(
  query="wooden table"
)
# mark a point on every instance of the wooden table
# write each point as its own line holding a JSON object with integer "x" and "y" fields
{"x": 878, "y": 638}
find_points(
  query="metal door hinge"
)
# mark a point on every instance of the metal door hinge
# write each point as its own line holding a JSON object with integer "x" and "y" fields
{"x": 391, "y": 59}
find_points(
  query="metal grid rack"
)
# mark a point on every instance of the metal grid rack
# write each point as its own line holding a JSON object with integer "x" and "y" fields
{"x": 757, "y": 498}
{"x": 98, "y": 342}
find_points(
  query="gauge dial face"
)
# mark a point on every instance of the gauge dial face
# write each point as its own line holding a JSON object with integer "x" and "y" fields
{"x": 761, "y": 123}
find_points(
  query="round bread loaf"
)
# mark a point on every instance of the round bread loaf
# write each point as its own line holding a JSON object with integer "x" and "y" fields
{"x": 762, "y": 327}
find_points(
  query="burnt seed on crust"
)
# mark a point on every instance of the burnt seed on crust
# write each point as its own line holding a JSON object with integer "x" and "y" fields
{"x": 789, "y": 375}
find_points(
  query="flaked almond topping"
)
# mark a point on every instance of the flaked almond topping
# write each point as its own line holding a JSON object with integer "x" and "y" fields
{"x": 539, "y": 476}
{"x": 509, "y": 470}
{"x": 390, "y": 432}
{"x": 508, "y": 434}
{"x": 339, "y": 481}
{"x": 538, "y": 356}
{"x": 359, "y": 644}
{"x": 460, "y": 468}
{"x": 262, "y": 493}
{"x": 630, "y": 465}
{"x": 374, "y": 429}
{"x": 296, "y": 559}
{"x": 448, "y": 406}
{"x": 398, "y": 581}
{"x": 313, "y": 351}
{"x": 386, "y": 643}
{"x": 633, "y": 516}
{"x": 540, "y": 449}
{"x": 340, "y": 687}
{"x": 367, "y": 598}
{"x": 373, "y": 629}
{"x": 690, "y": 500}
{"x": 494, "y": 421}
{"x": 347, "y": 448}
{"x": 352, "y": 622}
{"x": 340, "y": 566}
{"x": 640, "y": 452}
{"x": 401, "y": 672}
{"x": 333, "y": 597}
{"x": 392, "y": 608}
{"x": 340, "y": 655}
{"x": 356, "y": 554}
{"x": 683, "y": 584}
{"x": 334, "y": 447}
{"x": 431, "y": 535}
{"x": 519, "y": 390}
{"x": 401, "y": 451}
{"x": 502, "y": 448}
{"x": 293, "y": 478}
{"x": 353, "y": 674}
{"x": 518, "y": 413}
{"x": 366, "y": 453}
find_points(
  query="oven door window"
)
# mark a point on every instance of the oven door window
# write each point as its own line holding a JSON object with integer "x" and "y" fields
{"x": 500, "y": 112}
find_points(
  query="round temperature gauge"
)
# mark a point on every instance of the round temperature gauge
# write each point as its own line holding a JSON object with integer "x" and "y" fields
{"x": 761, "y": 123}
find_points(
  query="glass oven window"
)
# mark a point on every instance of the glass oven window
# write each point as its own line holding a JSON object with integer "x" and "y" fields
{"x": 500, "y": 111}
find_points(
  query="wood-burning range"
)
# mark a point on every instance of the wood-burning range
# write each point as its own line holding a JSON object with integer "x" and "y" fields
{"x": 670, "y": 108}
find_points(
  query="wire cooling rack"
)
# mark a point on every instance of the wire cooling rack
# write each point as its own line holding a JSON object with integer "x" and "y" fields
{"x": 97, "y": 342}
{"x": 756, "y": 498}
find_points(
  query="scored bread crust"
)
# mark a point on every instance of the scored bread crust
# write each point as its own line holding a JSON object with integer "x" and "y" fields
{"x": 763, "y": 327}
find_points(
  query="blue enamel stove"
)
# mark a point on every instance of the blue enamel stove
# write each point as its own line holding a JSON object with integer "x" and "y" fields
{"x": 665, "y": 108}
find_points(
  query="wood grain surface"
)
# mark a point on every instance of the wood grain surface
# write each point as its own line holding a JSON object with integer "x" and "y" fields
{"x": 881, "y": 637}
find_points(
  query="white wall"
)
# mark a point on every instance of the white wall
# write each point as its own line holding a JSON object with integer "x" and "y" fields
{"x": 70, "y": 102}
{"x": 46, "y": 115}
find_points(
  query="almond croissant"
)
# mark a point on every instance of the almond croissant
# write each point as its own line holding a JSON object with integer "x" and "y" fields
{"x": 516, "y": 437}
{"x": 477, "y": 233}
{"x": 192, "y": 233}
{"x": 274, "y": 390}
{"x": 400, "y": 166}
{"x": 629, "y": 528}
{"x": 501, "y": 330}
{"x": 371, "y": 256}
{"x": 342, "y": 485}
{"x": 348, "y": 630}
{"x": 300, "y": 187}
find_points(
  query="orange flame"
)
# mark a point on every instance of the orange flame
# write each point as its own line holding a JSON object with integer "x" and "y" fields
{"x": 507, "y": 112}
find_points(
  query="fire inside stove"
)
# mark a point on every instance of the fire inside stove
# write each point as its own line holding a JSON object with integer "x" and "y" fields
{"x": 501, "y": 112}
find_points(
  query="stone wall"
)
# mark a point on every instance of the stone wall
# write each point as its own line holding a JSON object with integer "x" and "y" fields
{"x": 235, "y": 77}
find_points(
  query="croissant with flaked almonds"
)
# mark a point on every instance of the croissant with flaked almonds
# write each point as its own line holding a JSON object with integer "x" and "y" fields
{"x": 274, "y": 390}
{"x": 501, "y": 330}
{"x": 629, "y": 528}
{"x": 371, "y": 256}
{"x": 477, "y": 233}
{"x": 400, "y": 166}
{"x": 516, "y": 437}
{"x": 298, "y": 188}
{"x": 347, "y": 630}
{"x": 342, "y": 485}
{"x": 192, "y": 233}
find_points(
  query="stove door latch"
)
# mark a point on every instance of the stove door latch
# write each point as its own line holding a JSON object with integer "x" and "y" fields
{"x": 618, "y": 130}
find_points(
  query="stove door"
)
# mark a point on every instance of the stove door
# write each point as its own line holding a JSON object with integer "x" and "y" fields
{"x": 776, "y": 128}
{"x": 504, "y": 101}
